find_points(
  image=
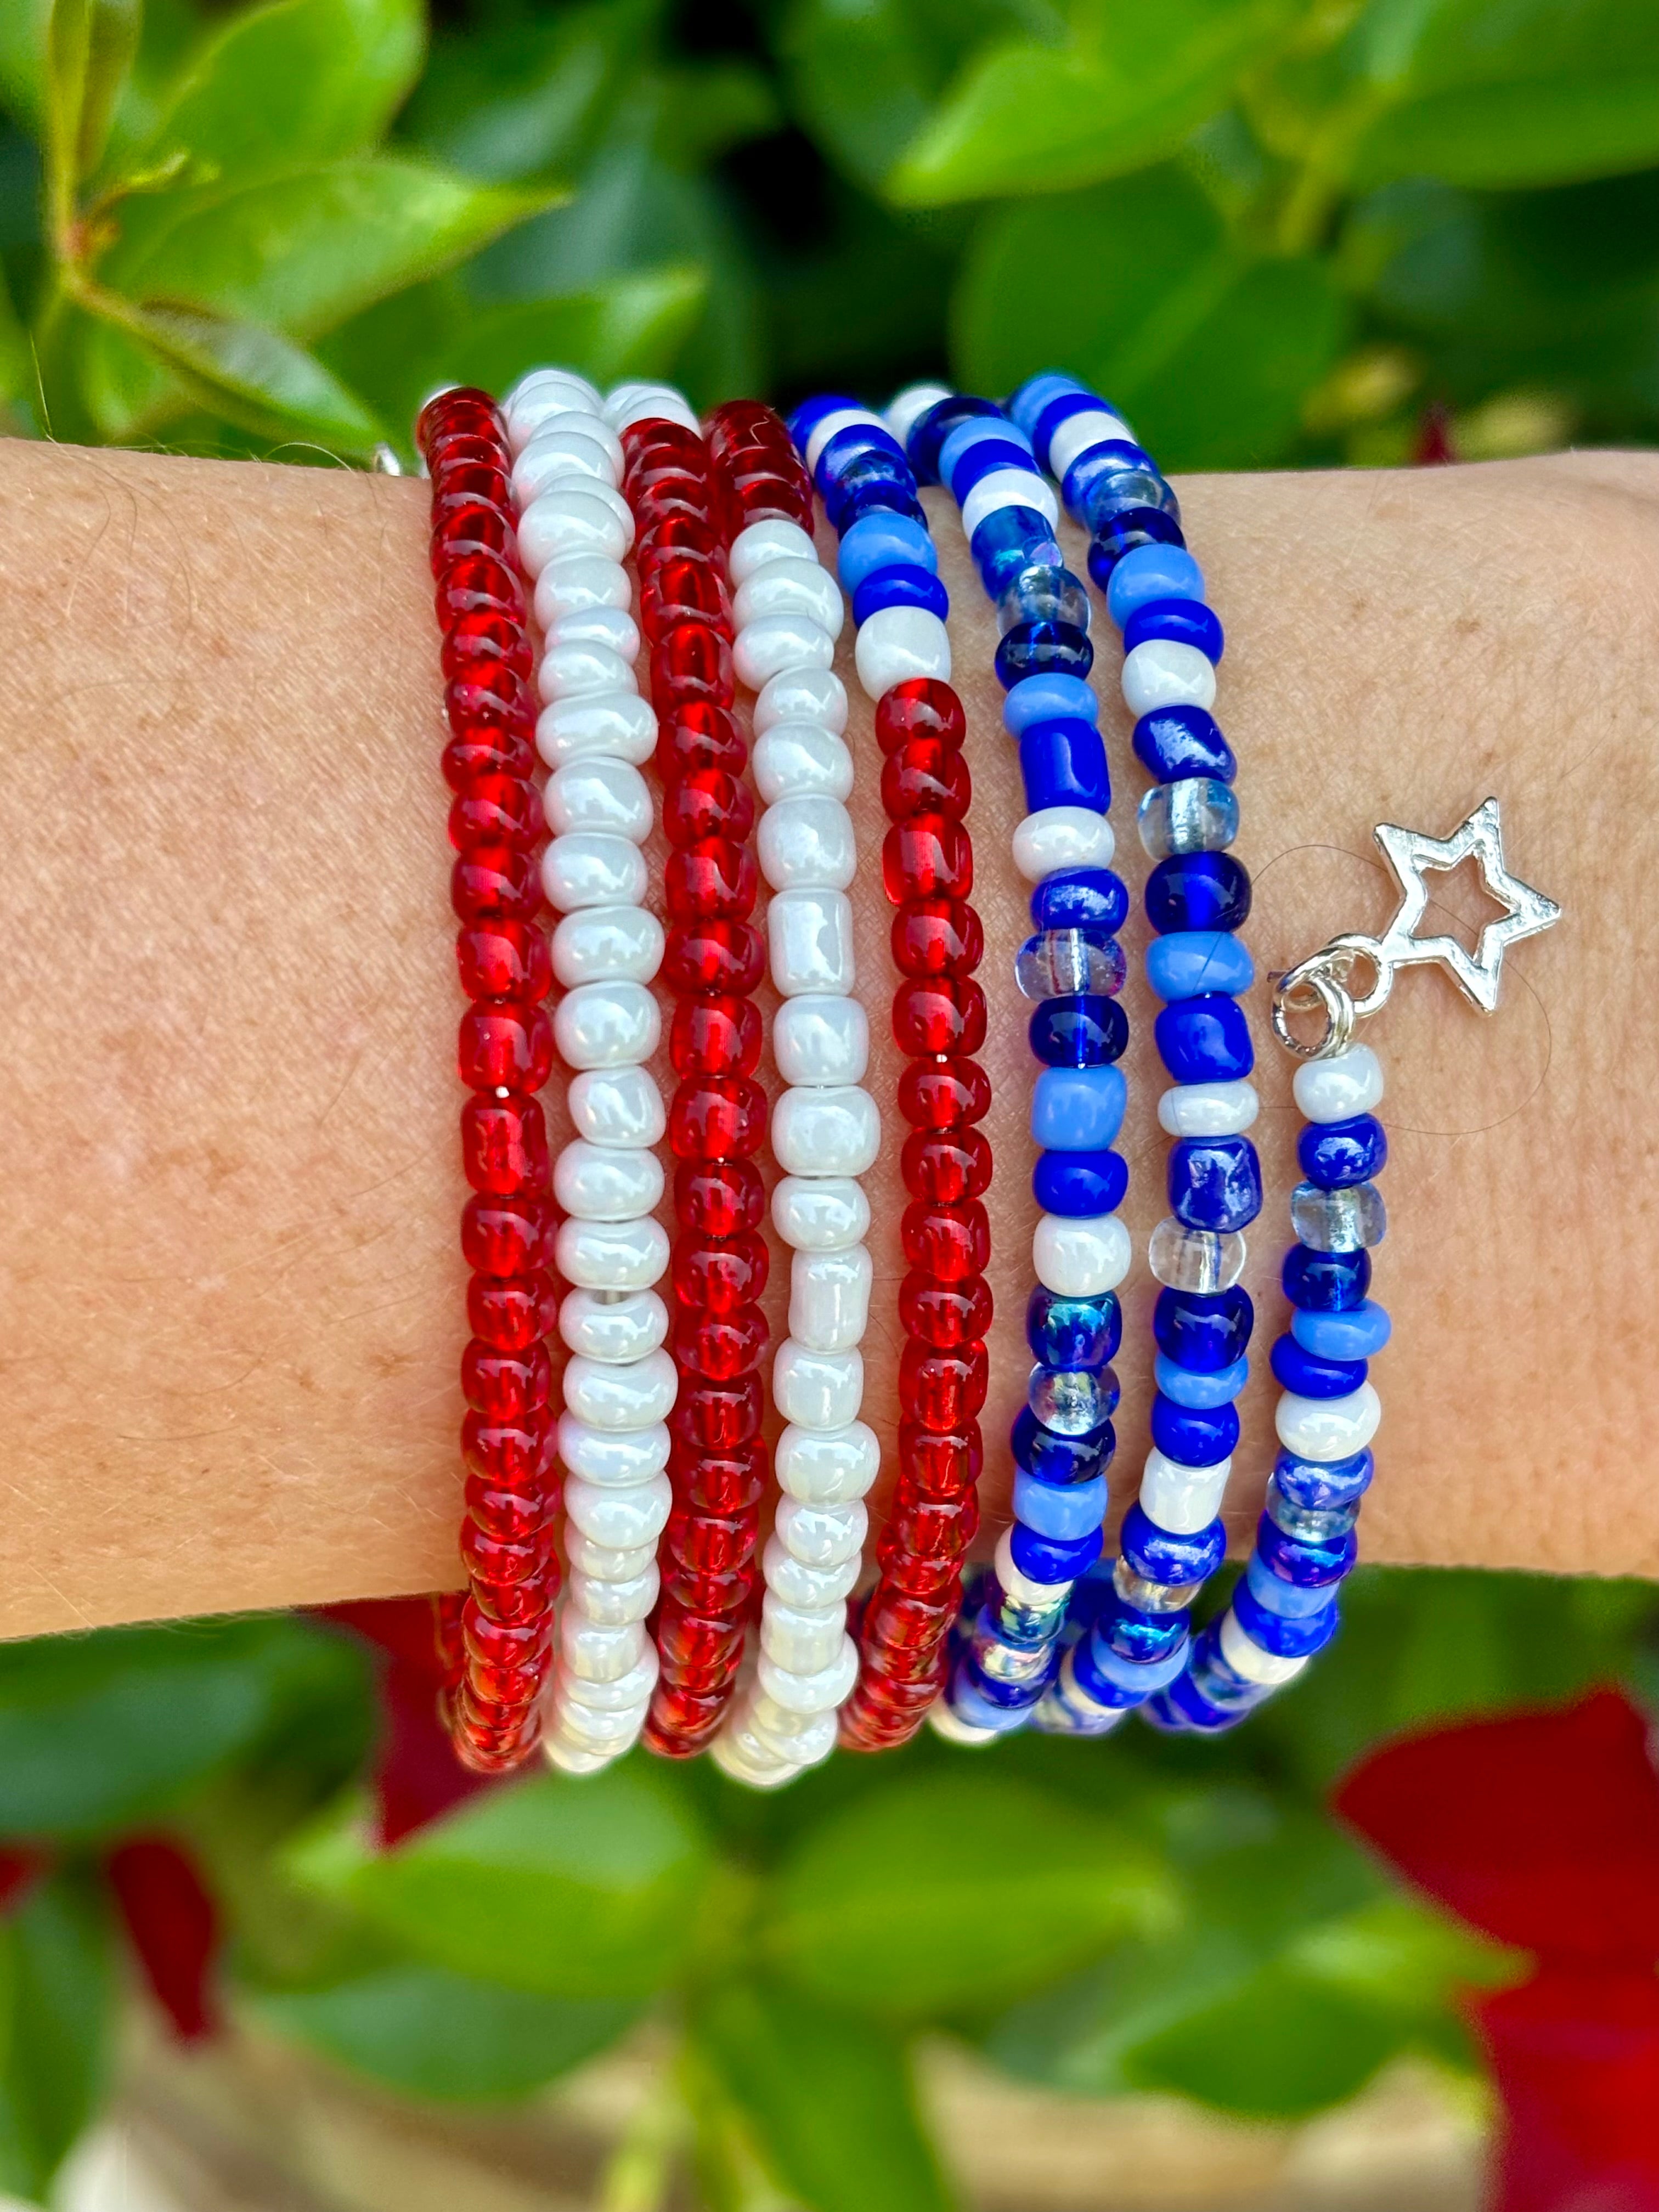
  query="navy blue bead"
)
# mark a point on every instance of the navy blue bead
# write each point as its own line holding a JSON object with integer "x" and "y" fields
{"x": 1105, "y": 482}
{"x": 1198, "y": 890}
{"x": 1095, "y": 1684}
{"x": 1084, "y": 1030}
{"x": 871, "y": 480}
{"x": 1042, "y": 648}
{"x": 1062, "y": 1461}
{"x": 930, "y": 430}
{"x": 1073, "y": 1332}
{"x": 1064, "y": 764}
{"x": 1140, "y": 1637}
{"x": 1205, "y": 1331}
{"x": 811, "y": 412}
{"x": 1326, "y": 1282}
{"x": 1204, "y": 1040}
{"x": 1286, "y": 1638}
{"x": 1080, "y": 1183}
{"x": 1300, "y": 1560}
{"x": 1093, "y": 1593}
{"x": 1197, "y": 1437}
{"x": 1188, "y": 622}
{"x": 1137, "y": 525}
{"x": 983, "y": 456}
{"x": 1006, "y": 1696}
{"x": 1336, "y": 1155}
{"x": 873, "y": 499}
{"x": 1046, "y": 1561}
{"x": 1320, "y": 1484}
{"x": 1173, "y": 742}
{"x": 849, "y": 446}
{"x": 1011, "y": 539}
{"x": 1081, "y": 898}
{"x": 1215, "y": 1182}
{"x": 899, "y": 587}
{"x": 1298, "y": 1371}
{"x": 1162, "y": 1557}
{"x": 1184, "y": 1709}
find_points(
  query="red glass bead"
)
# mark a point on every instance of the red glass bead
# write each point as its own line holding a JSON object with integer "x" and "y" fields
{"x": 945, "y": 1313}
{"x": 691, "y": 661}
{"x": 672, "y": 497}
{"x": 936, "y": 1579}
{"x": 719, "y": 1278}
{"x": 937, "y": 937}
{"x": 479, "y": 584}
{"x": 933, "y": 1530}
{"x": 707, "y": 803}
{"x": 725, "y": 957}
{"x": 498, "y": 1562}
{"x": 728, "y": 1486}
{"x": 506, "y": 1384}
{"x": 506, "y": 1046}
{"x": 700, "y": 737}
{"x": 514, "y": 1604}
{"x": 950, "y": 1242}
{"x": 499, "y": 1644}
{"x": 485, "y": 638}
{"x": 720, "y": 1347}
{"x": 716, "y": 1416}
{"x": 709, "y": 1543}
{"x": 708, "y": 1591}
{"x": 903, "y": 1624}
{"x": 496, "y": 810}
{"x": 687, "y": 1640}
{"x": 681, "y": 1722}
{"x": 490, "y": 694}
{"x": 753, "y": 497}
{"x": 737, "y": 422}
{"x": 457, "y": 480}
{"x": 939, "y": 1015}
{"x": 509, "y": 1689}
{"x": 514, "y": 1515}
{"x": 457, "y": 406}
{"x": 684, "y": 587}
{"x": 941, "y": 1094}
{"x": 504, "y": 1144}
{"x": 488, "y": 751}
{"x": 715, "y": 1037}
{"x": 941, "y": 1390}
{"x": 509, "y": 1454}
{"x": 496, "y": 882}
{"x": 507, "y": 1235}
{"x": 511, "y": 1311}
{"x": 713, "y": 881}
{"x": 680, "y": 536}
{"x": 721, "y": 1119}
{"x": 718, "y": 1199}
{"x": 926, "y": 857}
{"x": 926, "y": 775}
{"x": 504, "y": 960}
{"x": 922, "y": 706}
{"x": 660, "y": 448}
{"x": 473, "y": 528}
{"x": 460, "y": 449}
{"x": 946, "y": 1165}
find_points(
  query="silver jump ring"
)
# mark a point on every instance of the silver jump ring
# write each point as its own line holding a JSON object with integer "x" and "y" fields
{"x": 1316, "y": 977}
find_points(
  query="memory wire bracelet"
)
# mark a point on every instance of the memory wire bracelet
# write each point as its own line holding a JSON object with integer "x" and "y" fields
{"x": 1073, "y": 970}
{"x": 496, "y": 1643}
{"x": 1130, "y": 1635}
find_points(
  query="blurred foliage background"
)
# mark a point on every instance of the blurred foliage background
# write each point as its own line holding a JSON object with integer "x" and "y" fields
{"x": 1275, "y": 231}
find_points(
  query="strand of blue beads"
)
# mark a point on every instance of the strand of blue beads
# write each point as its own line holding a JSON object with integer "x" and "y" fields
{"x": 1070, "y": 970}
{"x": 1129, "y": 1636}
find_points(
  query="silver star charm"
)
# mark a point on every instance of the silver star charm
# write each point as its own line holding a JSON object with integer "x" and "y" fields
{"x": 1409, "y": 853}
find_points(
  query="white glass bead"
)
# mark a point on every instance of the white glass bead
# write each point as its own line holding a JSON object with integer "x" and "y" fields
{"x": 639, "y": 402}
{"x": 830, "y": 1297}
{"x": 1248, "y": 1658}
{"x": 898, "y": 643}
{"x": 617, "y": 1601}
{"x": 730, "y": 1752}
{"x": 829, "y": 426}
{"x": 621, "y": 1520}
{"x": 820, "y": 1692}
{"x": 1208, "y": 1109}
{"x": 1336, "y": 1089}
{"x": 570, "y": 518}
{"x": 816, "y": 1389}
{"x": 820, "y": 1038}
{"x": 543, "y": 387}
{"x": 797, "y": 760}
{"x": 1163, "y": 672}
{"x": 1097, "y": 426}
{"x": 771, "y": 539}
{"x": 636, "y": 1396}
{"x": 607, "y": 1711}
{"x": 772, "y": 644}
{"x": 944, "y": 1722}
{"x": 588, "y": 867}
{"x": 823, "y": 1465}
{"x": 1327, "y": 1428}
{"x": 1009, "y": 487}
{"x": 619, "y": 725}
{"x": 597, "y": 1650}
{"x": 611, "y": 1459}
{"x": 820, "y": 1213}
{"x": 583, "y": 423}
{"x": 555, "y": 456}
{"x": 1204, "y": 1259}
{"x": 607, "y": 1026}
{"x": 796, "y": 1582}
{"x": 1182, "y": 1499}
{"x": 606, "y": 1562}
{"x": 1057, "y": 837}
{"x": 801, "y": 587}
{"x": 607, "y": 1183}
{"x": 570, "y": 1756}
{"x": 611, "y": 1255}
{"x": 527, "y": 413}
{"x": 614, "y": 628}
{"x": 618, "y": 1106}
{"x": 614, "y": 1326}
{"x": 1080, "y": 1257}
{"x": 806, "y": 844}
{"x": 581, "y": 584}
{"x": 802, "y": 695}
{"x": 608, "y": 796}
{"x": 819, "y": 1536}
{"x": 834, "y": 1130}
{"x": 577, "y": 671}
{"x": 607, "y": 944}
{"x": 809, "y": 937}
{"x": 906, "y": 409}
{"x": 801, "y": 1638}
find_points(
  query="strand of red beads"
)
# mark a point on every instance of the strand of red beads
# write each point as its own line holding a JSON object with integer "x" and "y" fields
{"x": 714, "y": 958}
{"x": 944, "y": 1302}
{"x": 497, "y": 1641}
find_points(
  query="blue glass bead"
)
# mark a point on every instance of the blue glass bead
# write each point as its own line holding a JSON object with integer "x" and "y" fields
{"x": 1283, "y": 1600}
{"x": 1073, "y": 1332}
{"x": 1095, "y": 1661}
{"x": 1057, "y": 1459}
{"x": 1041, "y": 422}
{"x": 1185, "y": 1708}
{"x": 811, "y": 412}
{"x": 930, "y": 430}
{"x": 1060, "y": 1509}
{"x": 850, "y": 445}
{"x": 1080, "y": 898}
{"x": 1090, "y": 1594}
{"x": 1297, "y": 1370}
{"x": 1080, "y": 1183}
{"x": 1188, "y": 622}
{"x": 1040, "y": 1559}
{"x": 1214, "y": 1183}
{"x": 1172, "y": 742}
{"x": 1042, "y": 648}
{"x": 1204, "y": 1331}
{"x": 1311, "y": 1524}
{"x": 1103, "y": 483}
{"x": 1320, "y": 1485}
{"x": 1189, "y": 964}
{"x": 1196, "y": 1435}
{"x": 1006, "y": 451}
{"x": 899, "y": 587}
{"x": 1142, "y": 1638}
{"x": 878, "y": 497}
{"x": 1357, "y": 1333}
{"x": 975, "y": 430}
{"x": 1080, "y": 1031}
{"x": 1199, "y": 1386}
{"x": 1326, "y": 1282}
{"x": 1162, "y": 1556}
{"x": 1198, "y": 890}
{"x": 1052, "y": 696}
{"x": 1026, "y": 405}
{"x": 1064, "y": 764}
{"x": 1141, "y": 526}
{"x": 1009, "y": 539}
{"x": 1015, "y": 1624}
{"x": 1077, "y": 1109}
{"x": 1284, "y": 1638}
{"x": 1204, "y": 1040}
{"x": 1335, "y": 1154}
{"x": 1044, "y": 593}
{"x": 1072, "y": 1401}
{"x": 1152, "y": 572}
{"x": 871, "y": 479}
{"x": 884, "y": 541}
{"x": 1002, "y": 1698}
{"x": 1093, "y": 1686}
{"x": 1298, "y": 1560}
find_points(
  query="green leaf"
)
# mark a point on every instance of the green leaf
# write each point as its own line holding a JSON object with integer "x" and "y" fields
{"x": 1200, "y": 298}
{"x": 1277, "y": 2047}
{"x": 1027, "y": 119}
{"x": 829, "y": 2097}
{"x": 881, "y": 1905}
{"x": 22, "y": 58}
{"x": 446, "y": 2036}
{"x": 56, "y": 2007}
{"x": 90, "y": 47}
{"x": 570, "y": 1889}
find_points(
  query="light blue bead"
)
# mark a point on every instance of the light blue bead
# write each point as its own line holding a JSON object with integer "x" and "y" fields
{"x": 974, "y": 432}
{"x": 1358, "y": 1333}
{"x": 1189, "y": 961}
{"x": 1048, "y": 698}
{"x": 881, "y": 540}
{"x": 1034, "y": 395}
{"x": 1202, "y": 1390}
{"x": 1286, "y": 1599}
{"x": 1152, "y": 572}
{"x": 1053, "y": 1511}
{"x": 1149, "y": 1675}
{"x": 1077, "y": 1109}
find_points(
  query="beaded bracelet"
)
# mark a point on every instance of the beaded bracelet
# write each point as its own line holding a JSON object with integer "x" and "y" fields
{"x": 1073, "y": 970}
{"x": 889, "y": 566}
{"x": 497, "y": 1643}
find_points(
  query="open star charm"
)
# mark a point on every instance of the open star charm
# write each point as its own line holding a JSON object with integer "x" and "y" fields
{"x": 1409, "y": 853}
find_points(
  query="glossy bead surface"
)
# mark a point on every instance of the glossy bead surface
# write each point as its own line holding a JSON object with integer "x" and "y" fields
{"x": 1348, "y": 1220}
{"x": 1079, "y": 1031}
{"x": 1057, "y": 963}
{"x": 1336, "y": 1155}
{"x": 1326, "y": 1282}
{"x": 1341, "y": 1087}
{"x": 1205, "y": 1039}
{"x": 1214, "y": 1183}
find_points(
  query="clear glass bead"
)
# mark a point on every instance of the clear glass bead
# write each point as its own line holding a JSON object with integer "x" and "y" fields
{"x": 1057, "y": 962}
{"x": 1195, "y": 814}
{"x": 1309, "y": 1524}
{"x": 1203, "y": 1259}
{"x": 1072, "y": 1401}
{"x": 1009, "y": 1662}
{"x": 1043, "y": 593}
{"x": 1349, "y": 1220}
{"x": 1151, "y": 1597}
